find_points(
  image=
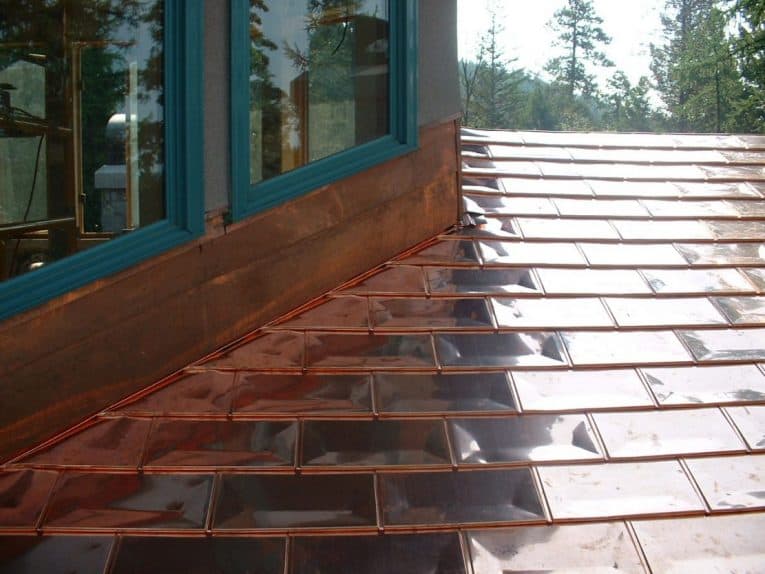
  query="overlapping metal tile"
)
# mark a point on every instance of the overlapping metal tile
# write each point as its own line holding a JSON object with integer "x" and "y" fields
{"x": 574, "y": 382}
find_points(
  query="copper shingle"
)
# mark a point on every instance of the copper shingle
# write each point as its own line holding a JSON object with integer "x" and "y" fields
{"x": 572, "y": 382}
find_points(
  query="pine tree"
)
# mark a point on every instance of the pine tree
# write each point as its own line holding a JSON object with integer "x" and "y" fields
{"x": 468, "y": 78}
{"x": 618, "y": 94}
{"x": 695, "y": 71}
{"x": 580, "y": 34}
{"x": 640, "y": 111}
{"x": 715, "y": 76}
{"x": 497, "y": 85}
{"x": 679, "y": 20}
{"x": 750, "y": 53}
{"x": 628, "y": 107}
{"x": 539, "y": 112}
{"x": 490, "y": 85}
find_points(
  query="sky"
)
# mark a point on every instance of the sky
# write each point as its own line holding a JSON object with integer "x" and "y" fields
{"x": 632, "y": 24}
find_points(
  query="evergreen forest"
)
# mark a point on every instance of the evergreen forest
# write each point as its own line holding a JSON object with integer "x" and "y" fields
{"x": 707, "y": 75}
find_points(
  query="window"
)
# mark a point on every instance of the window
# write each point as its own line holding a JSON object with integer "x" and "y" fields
{"x": 321, "y": 89}
{"x": 100, "y": 139}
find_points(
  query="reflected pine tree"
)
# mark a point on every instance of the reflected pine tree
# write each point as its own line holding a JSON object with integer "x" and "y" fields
{"x": 327, "y": 88}
{"x": 265, "y": 98}
{"x": 325, "y": 77}
{"x": 151, "y": 129}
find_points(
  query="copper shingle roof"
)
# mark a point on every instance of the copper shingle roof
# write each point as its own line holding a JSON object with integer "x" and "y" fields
{"x": 571, "y": 381}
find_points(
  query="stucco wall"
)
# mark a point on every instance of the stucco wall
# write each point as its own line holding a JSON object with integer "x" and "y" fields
{"x": 439, "y": 88}
{"x": 217, "y": 154}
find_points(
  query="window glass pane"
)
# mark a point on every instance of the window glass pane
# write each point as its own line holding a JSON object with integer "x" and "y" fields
{"x": 81, "y": 125}
{"x": 318, "y": 80}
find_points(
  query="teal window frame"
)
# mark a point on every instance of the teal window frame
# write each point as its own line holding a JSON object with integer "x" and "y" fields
{"x": 184, "y": 188}
{"x": 249, "y": 199}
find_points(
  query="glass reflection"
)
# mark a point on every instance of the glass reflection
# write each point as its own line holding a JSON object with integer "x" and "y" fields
{"x": 81, "y": 125}
{"x": 318, "y": 80}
